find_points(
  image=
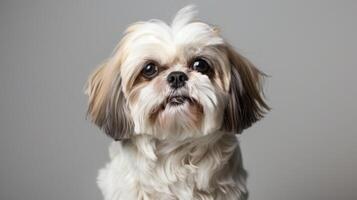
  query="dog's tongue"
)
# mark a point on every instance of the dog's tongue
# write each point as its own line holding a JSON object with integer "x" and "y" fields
{"x": 177, "y": 100}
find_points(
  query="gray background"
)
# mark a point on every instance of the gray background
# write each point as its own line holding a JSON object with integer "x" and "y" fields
{"x": 304, "y": 149}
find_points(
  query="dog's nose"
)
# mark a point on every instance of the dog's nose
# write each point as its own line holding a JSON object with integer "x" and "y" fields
{"x": 177, "y": 79}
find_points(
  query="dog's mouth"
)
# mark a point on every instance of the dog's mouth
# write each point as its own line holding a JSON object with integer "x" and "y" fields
{"x": 177, "y": 100}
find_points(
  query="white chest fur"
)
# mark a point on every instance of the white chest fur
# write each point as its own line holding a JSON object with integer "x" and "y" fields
{"x": 142, "y": 168}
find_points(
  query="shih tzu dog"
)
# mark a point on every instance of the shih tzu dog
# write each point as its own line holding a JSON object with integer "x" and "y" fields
{"x": 173, "y": 97}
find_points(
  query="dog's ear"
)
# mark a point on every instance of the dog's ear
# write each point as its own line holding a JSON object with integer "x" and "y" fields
{"x": 246, "y": 104}
{"x": 107, "y": 105}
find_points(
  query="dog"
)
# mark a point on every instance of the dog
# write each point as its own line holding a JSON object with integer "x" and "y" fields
{"x": 173, "y": 97}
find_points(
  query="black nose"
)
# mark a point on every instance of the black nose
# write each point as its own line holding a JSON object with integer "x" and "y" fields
{"x": 177, "y": 79}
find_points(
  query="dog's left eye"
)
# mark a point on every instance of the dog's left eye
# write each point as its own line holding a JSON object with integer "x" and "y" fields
{"x": 150, "y": 71}
{"x": 201, "y": 66}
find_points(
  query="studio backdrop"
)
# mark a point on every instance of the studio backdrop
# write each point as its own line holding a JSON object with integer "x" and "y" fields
{"x": 305, "y": 147}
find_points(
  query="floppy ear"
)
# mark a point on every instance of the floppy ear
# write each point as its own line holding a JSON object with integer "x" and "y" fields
{"x": 107, "y": 105}
{"x": 246, "y": 104}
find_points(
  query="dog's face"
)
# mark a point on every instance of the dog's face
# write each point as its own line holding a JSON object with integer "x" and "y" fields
{"x": 180, "y": 80}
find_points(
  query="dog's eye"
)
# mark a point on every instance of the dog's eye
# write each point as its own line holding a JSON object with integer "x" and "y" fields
{"x": 150, "y": 70}
{"x": 201, "y": 66}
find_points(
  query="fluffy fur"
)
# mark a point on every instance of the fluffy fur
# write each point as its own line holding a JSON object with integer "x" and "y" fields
{"x": 166, "y": 151}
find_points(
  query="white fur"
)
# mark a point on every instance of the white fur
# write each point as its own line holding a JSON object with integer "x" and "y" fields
{"x": 147, "y": 169}
{"x": 175, "y": 159}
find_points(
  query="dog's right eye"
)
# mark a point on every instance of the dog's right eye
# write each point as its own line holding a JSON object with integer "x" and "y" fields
{"x": 150, "y": 70}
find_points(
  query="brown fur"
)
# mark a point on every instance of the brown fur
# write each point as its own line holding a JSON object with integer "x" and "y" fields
{"x": 107, "y": 105}
{"x": 246, "y": 105}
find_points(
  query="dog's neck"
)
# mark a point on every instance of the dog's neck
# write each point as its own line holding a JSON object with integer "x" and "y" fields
{"x": 201, "y": 157}
{"x": 153, "y": 148}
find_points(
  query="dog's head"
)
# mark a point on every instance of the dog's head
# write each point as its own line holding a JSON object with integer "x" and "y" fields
{"x": 180, "y": 80}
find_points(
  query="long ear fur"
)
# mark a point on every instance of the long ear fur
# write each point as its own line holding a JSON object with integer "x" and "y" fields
{"x": 107, "y": 104}
{"x": 246, "y": 104}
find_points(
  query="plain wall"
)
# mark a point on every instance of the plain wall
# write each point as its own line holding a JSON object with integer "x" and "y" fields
{"x": 305, "y": 148}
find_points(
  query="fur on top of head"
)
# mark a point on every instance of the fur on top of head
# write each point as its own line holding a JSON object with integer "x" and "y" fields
{"x": 175, "y": 81}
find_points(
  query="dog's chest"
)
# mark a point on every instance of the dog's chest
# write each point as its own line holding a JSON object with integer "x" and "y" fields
{"x": 177, "y": 174}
